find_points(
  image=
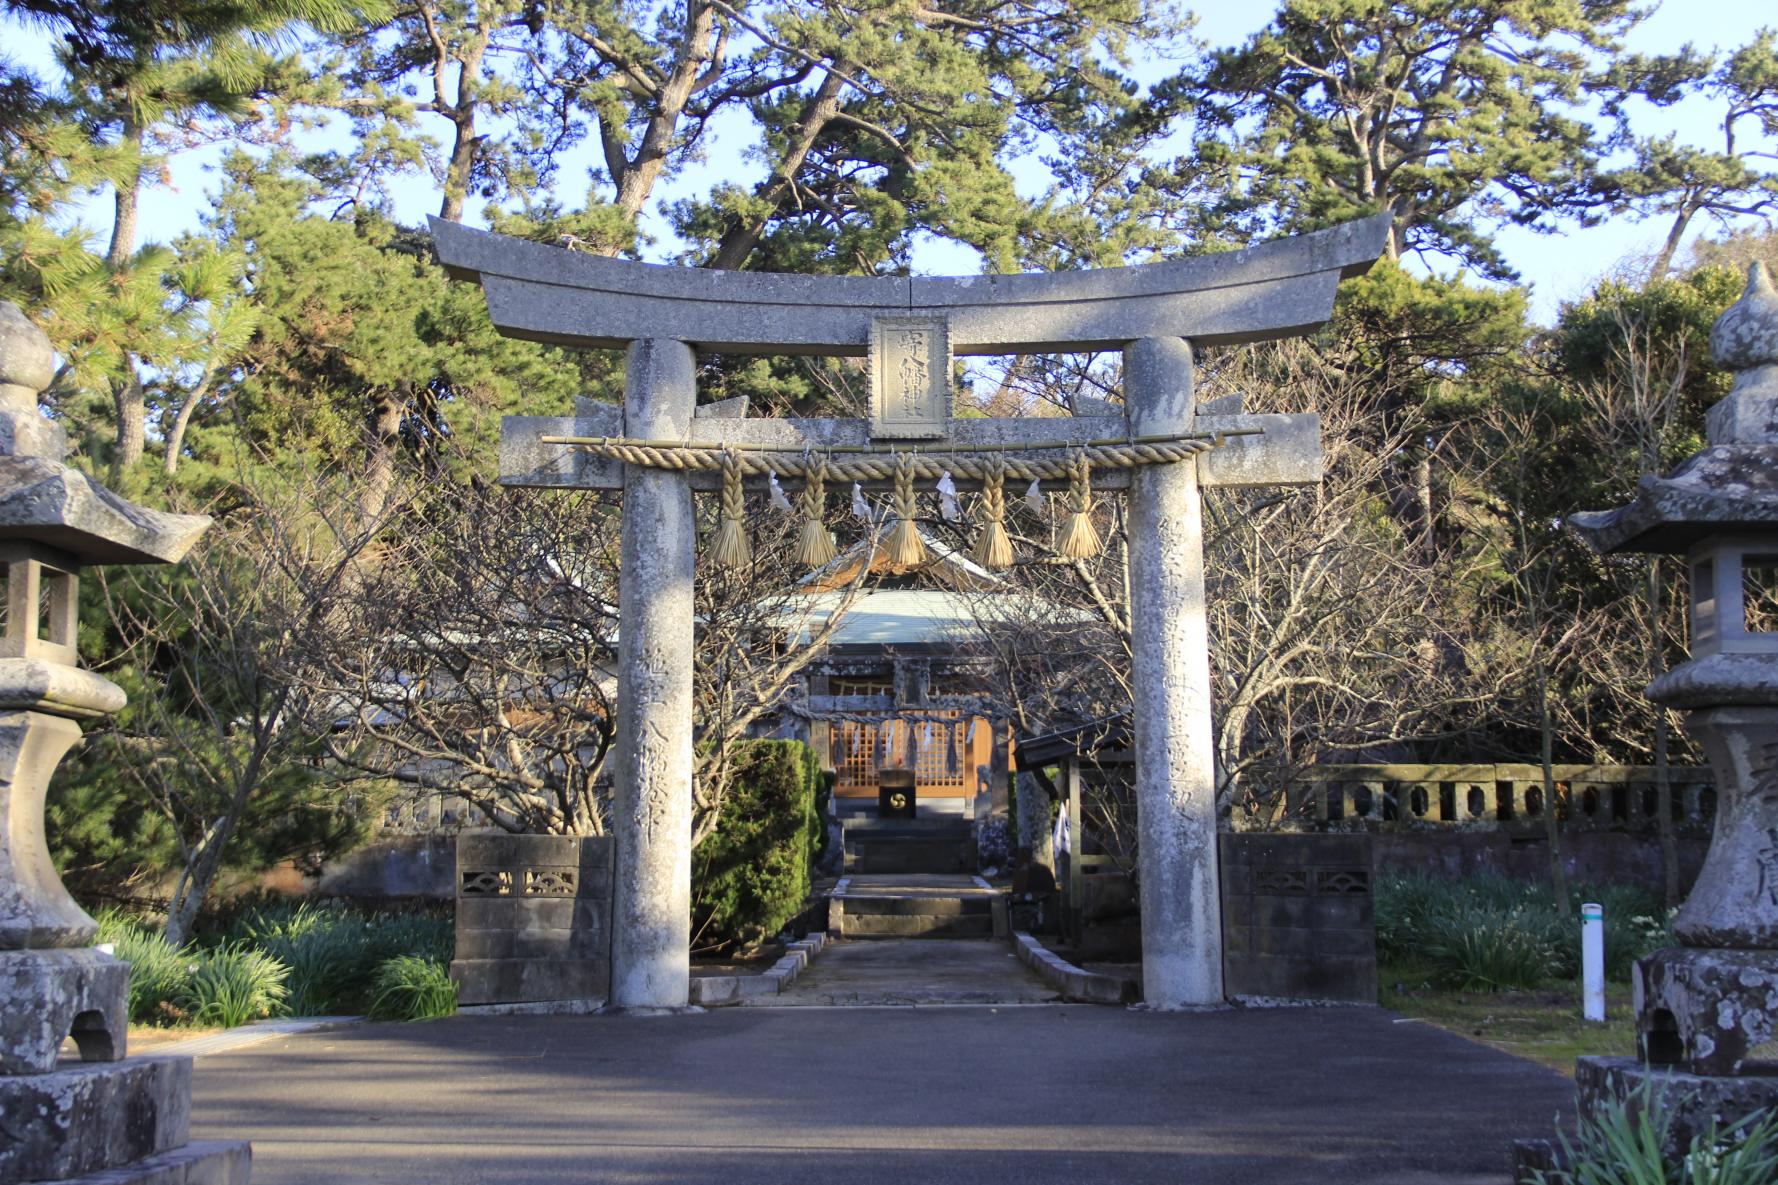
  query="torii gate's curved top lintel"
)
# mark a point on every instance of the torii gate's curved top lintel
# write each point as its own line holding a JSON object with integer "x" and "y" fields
{"x": 1278, "y": 289}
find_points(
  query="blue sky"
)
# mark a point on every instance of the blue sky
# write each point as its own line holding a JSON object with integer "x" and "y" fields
{"x": 1557, "y": 267}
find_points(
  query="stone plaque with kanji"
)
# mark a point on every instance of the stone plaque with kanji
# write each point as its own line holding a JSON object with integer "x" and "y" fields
{"x": 910, "y": 374}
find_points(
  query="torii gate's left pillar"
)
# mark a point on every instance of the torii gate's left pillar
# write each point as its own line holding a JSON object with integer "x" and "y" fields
{"x": 651, "y": 914}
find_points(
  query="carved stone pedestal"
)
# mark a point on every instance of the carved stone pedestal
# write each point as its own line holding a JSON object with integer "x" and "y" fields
{"x": 1703, "y": 1010}
{"x": 81, "y": 993}
{"x": 1695, "y": 1101}
{"x": 87, "y": 1118}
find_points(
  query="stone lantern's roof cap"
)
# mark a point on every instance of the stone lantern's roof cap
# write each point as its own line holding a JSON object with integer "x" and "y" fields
{"x": 1745, "y": 337}
{"x": 44, "y": 501}
{"x": 1732, "y": 485}
{"x": 1722, "y": 490}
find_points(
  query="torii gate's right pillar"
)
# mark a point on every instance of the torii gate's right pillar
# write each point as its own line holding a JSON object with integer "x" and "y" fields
{"x": 1175, "y": 750}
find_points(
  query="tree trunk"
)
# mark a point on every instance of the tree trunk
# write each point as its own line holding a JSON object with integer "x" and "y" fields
{"x": 132, "y": 411}
{"x": 740, "y": 239}
{"x": 382, "y": 434}
{"x": 456, "y": 186}
{"x": 126, "y": 391}
{"x": 199, "y": 874}
{"x": 182, "y": 421}
{"x": 193, "y": 886}
{"x": 1675, "y": 235}
{"x": 1035, "y": 830}
{"x": 1423, "y": 510}
{"x": 635, "y": 177}
{"x": 465, "y": 143}
{"x": 126, "y": 202}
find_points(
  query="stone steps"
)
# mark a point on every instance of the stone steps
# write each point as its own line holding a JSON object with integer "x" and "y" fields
{"x": 918, "y": 925}
{"x": 906, "y": 846}
{"x": 917, "y": 906}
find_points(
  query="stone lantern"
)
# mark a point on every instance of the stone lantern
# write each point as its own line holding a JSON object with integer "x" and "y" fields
{"x": 103, "y": 1117}
{"x": 1703, "y": 1008}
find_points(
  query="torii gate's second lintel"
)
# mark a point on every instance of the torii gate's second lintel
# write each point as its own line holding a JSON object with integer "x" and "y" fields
{"x": 1152, "y": 313}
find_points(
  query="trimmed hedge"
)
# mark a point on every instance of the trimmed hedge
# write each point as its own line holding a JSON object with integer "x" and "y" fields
{"x": 752, "y": 874}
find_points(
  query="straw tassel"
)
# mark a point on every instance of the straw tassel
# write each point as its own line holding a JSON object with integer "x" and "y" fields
{"x": 1079, "y": 540}
{"x": 816, "y": 549}
{"x": 730, "y": 548}
{"x": 906, "y": 550}
{"x": 993, "y": 547}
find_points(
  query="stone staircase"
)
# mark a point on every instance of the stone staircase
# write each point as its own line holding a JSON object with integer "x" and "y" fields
{"x": 914, "y": 906}
{"x": 908, "y": 878}
{"x": 902, "y": 846}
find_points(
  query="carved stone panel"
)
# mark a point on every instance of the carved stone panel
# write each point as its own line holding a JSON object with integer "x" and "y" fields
{"x": 910, "y": 378}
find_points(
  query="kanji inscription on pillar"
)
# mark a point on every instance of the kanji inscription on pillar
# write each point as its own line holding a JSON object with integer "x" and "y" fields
{"x": 910, "y": 374}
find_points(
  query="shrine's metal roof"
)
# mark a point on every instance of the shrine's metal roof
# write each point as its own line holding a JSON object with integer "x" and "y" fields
{"x": 906, "y": 617}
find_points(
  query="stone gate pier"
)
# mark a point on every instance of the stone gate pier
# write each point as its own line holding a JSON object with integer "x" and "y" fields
{"x": 910, "y": 328}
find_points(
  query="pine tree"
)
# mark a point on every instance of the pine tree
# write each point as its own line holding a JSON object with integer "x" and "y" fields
{"x": 1450, "y": 114}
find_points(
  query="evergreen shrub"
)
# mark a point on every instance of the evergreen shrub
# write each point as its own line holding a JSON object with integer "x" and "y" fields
{"x": 752, "y": 874}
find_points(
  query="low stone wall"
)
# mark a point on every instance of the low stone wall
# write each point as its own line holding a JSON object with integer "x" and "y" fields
{"x": 1297, "y": 918}
{"x": 1588, "y": 857}
{"x": 395, "y": 867}
{"x": 533, "y": 919}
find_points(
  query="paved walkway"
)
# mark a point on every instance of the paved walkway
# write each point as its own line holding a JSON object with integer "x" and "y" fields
{"x": 249, "y": 1034}
{"x": 912, "y": 971}
{"x": 942, "y": 1096}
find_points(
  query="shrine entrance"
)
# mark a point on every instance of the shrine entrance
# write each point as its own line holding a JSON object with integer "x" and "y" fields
{"x": 660, "y": 446}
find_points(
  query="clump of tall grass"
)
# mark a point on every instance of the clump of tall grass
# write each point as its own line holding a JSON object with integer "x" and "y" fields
{"x": 1488, "y": 950}
{"x": 281, "y": 958}
{"x": 326, "y": 950}
{"x": 234, "y": 985}
{"x": 408, "y": 987}
{"x": 333, "y": 951}
{"x": 158, "y": 973}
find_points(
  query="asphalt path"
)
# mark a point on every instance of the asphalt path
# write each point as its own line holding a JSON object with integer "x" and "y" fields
{"x": 870, "y": 1096}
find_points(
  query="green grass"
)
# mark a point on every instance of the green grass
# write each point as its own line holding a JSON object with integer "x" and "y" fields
{"x": 1542, "y": 1023}
{"x": 234, "y": 985}
{"x": 1488, "y": 933}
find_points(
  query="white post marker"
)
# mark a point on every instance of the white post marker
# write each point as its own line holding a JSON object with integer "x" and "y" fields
{"x": 1592, "y": 961}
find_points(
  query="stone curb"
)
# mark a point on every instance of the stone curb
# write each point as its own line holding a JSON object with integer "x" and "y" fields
{"x": 1088, "y": 987}
{"x": 587, "y": 1007}
{"x": 715, "y": 991}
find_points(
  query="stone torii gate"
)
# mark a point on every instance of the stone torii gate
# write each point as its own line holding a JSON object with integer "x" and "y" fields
{"x": 910, "y": 327}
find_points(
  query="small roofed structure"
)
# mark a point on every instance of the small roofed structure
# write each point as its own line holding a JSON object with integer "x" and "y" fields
{"x": 1097, "y": 751}
{"x": 896, "y": 688}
